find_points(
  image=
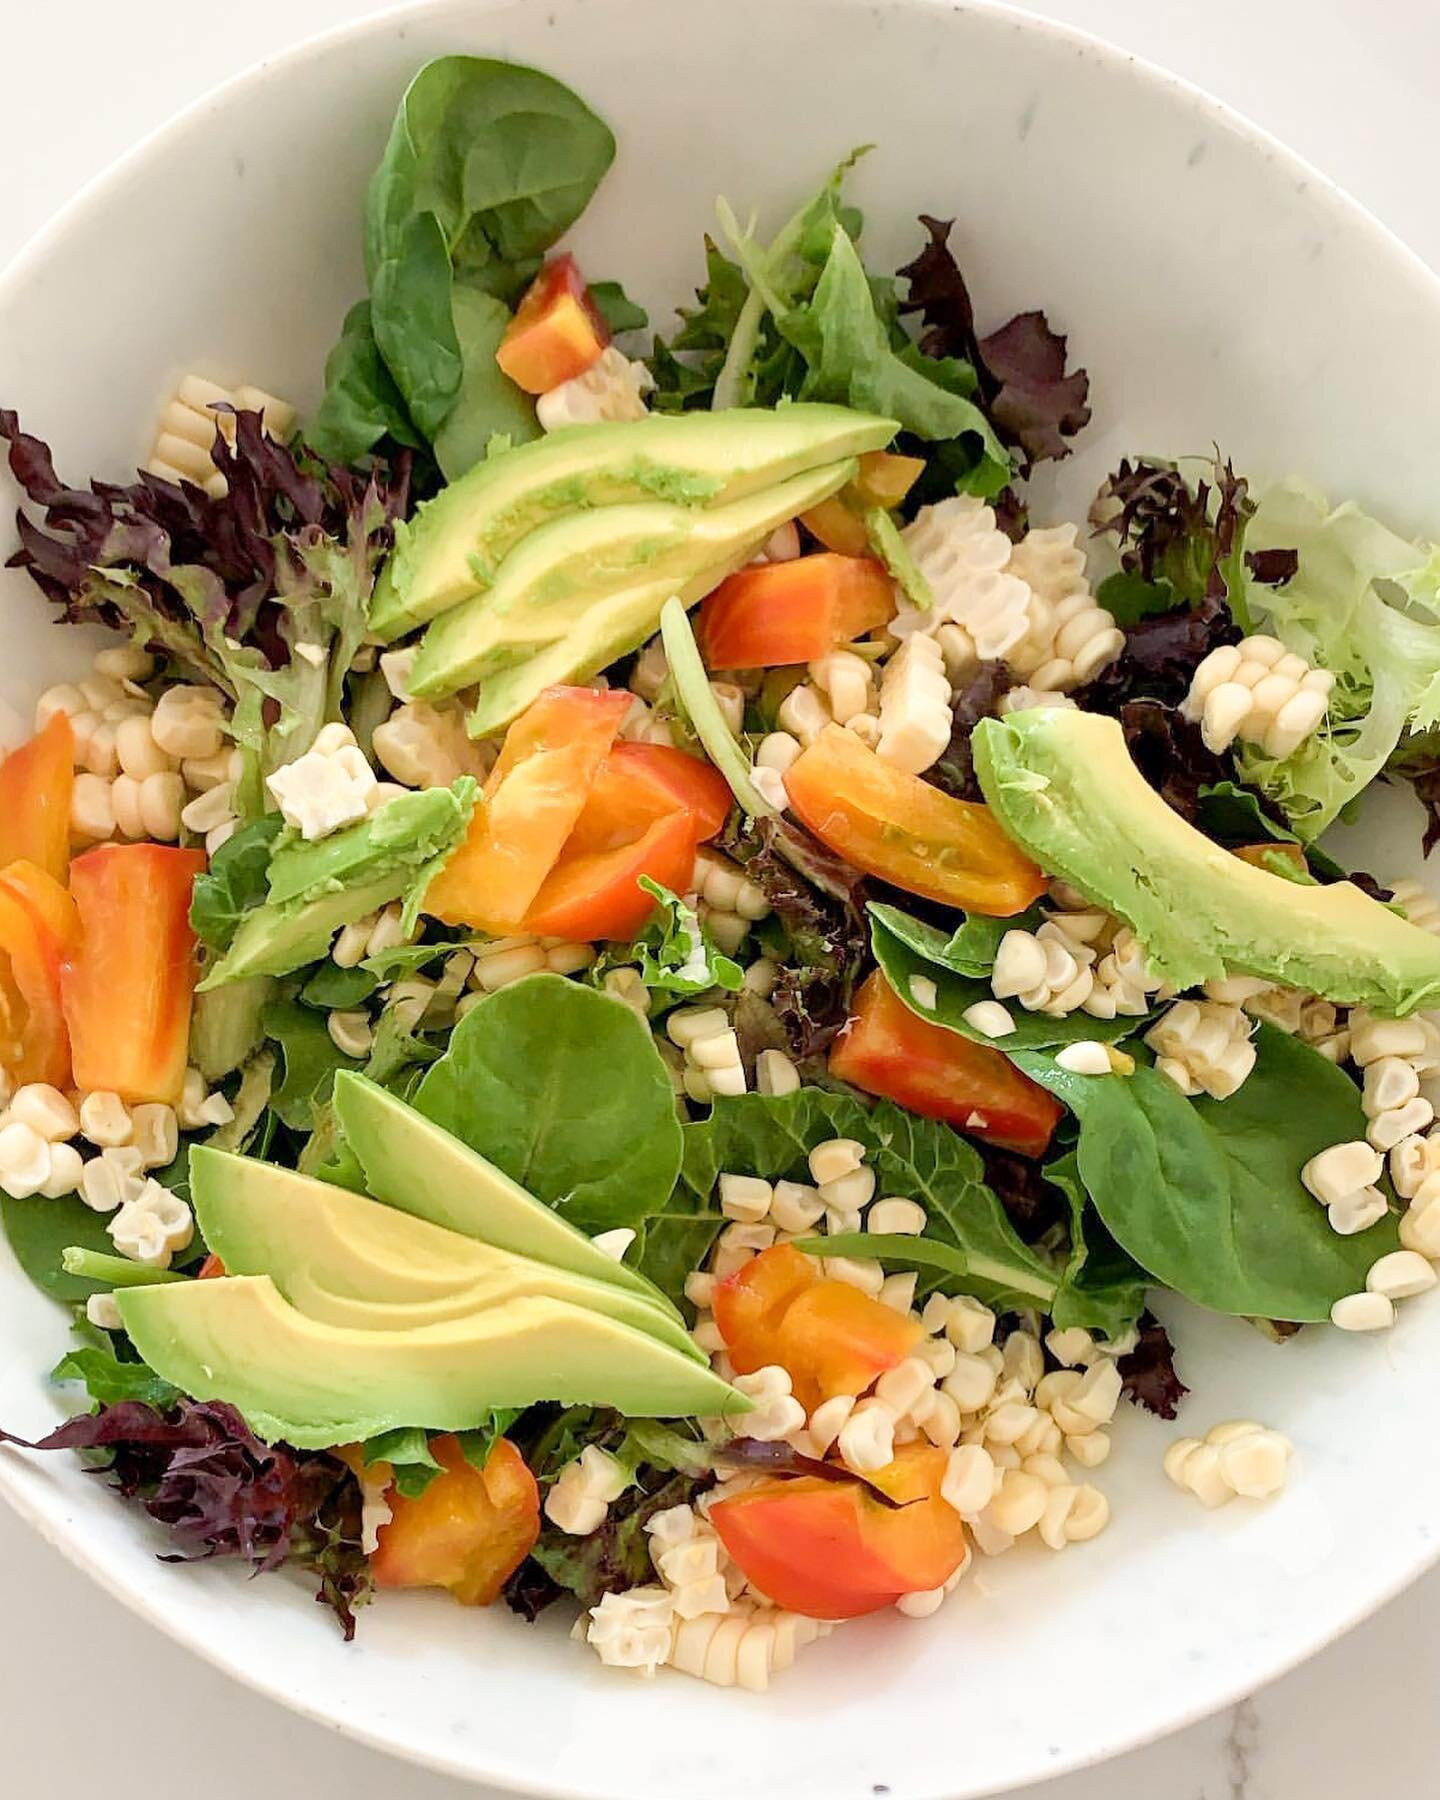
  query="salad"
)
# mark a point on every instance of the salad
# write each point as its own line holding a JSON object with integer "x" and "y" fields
{"x": 626, "y": 981}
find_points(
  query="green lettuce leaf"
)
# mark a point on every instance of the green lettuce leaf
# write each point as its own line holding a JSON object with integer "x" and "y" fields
{"x": 918, "y": 1158}
{"x": 674, "y": 954}
{"x": 1365, "y": 604}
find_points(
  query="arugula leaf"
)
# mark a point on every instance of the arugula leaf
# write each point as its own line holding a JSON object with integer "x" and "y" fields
{"x": 329, "y": 986}
{"x": 674, "y": 953}
{"x": 926, "y": 1161}
{"x": 686, "y": 368}
{"x": 310, "y": 1060}
{"x": 234, "y": 882}
{"x": 1206, "y": 1195}
{"x": 850, "y": 360}
{"x": 414, "y": 1463}
{"x": 107, "y": 1379}
{"x": 396, "y": 1051}
{"x": 902, "y": 966}
{"x": 564, "y": 1090}
{"x": 616, "y": 308}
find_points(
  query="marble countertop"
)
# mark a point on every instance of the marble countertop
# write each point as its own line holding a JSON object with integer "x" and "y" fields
{"x": 1348, "y": 84}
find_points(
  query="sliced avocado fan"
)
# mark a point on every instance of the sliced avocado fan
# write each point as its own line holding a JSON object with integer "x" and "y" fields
{"x": 416, "y": 1165}
{"x": 583, "y": 589}
{"x": 1064, "y": 786}
{"x": 342, "y": 1259}
{"x": 456, "y": 542}
{"x": 238, "y": 1340}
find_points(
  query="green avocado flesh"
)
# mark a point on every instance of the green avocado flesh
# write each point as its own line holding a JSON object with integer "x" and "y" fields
{"x": 342, "y": 1259}
{"x": 419, "y": 1167}
{"x": 317, "y": 888}
{"x": 316, "y": 1385}
{"x": 572, "y": 587}
{"x": 1063, "y": 785}
{"x": 455, "y": 544}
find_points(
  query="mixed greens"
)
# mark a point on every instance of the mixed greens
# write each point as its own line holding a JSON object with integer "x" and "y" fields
{"x": 630, "y": 982}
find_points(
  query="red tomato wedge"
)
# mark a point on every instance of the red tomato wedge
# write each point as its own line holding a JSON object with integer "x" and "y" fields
{"x": 533, "y": 797}
{"x": 589, "y": 896}
{"x": 468, "y": 1532}
{"x": 640, "y": 783}
{"x": 831, "y": 1338}
{"x": 792, "y": 612}
{"x": 127, "y": 987}
{"x": 39, "y": 929}
{"x": 833, "y": 1550}
{"x": 886, "y": 1050}
{"x": 557, "y": 331}
{"x": 896, "y": 826}
{"x": 35, "y": 785}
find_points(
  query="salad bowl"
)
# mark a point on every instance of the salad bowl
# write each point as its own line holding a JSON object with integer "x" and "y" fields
{"x": 1218, "y": 291}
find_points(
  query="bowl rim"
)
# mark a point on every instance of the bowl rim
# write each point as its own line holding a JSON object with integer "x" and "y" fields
{"x": 95, "y": 193}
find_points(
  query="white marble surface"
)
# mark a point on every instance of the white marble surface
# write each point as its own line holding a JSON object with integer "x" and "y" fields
{"x": 1348, "y": 84}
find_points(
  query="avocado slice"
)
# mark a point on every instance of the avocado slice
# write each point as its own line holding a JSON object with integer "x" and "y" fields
{"x": 553, "y": 588}
{"x": 345, "y": 1260}
{"x": 1064, "y": 786}
{"x": 225, "y": 1025}
{"x": 316, "y": 888}
{"x": 416, "y": 1165}
{"x": 455, "y": 543}
{"x": 237, "y": 1339}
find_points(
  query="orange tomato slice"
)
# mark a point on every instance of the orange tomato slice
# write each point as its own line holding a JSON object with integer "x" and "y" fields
{"x": 896, "y": 826}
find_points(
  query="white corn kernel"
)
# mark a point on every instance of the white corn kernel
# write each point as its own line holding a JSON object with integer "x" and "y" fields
{"x": 45, "y": 1110}
{"x": 989, "y": 1018}
{"x": 1400, "y": 1275}
{"x": 775, "y": 1073}
{"x": 745, "y": 1197}
{"x": 1363, "y": 1312}
{"x": 866, "y": 1440}
{"x": 155, "y": 1134}
{"x": 895, "y": 1216}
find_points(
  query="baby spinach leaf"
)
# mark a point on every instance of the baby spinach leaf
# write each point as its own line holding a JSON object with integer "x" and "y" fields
{"x": 1103, "y": 1289}
{"x": 1205, "y": 1195}
{"x": 564, "y": 1090}
{"x": 969, "y": 950}
{"x": 362, "y": 405}
{"x": 487, "y": 164}
{"x": 954, "y": 993}
{"x": 918, "y": 1158}
{"x": 39, "y": 1230}
{"x": 310, "y": 1061}
{"x": 487, "y": 401}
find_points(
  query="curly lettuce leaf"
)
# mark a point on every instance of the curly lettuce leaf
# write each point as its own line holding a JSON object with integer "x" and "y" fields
{"x": 1365, "y": 604}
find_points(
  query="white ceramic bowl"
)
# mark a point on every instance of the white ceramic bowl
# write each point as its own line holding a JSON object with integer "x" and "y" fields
{"x": 1217, "y": 290}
